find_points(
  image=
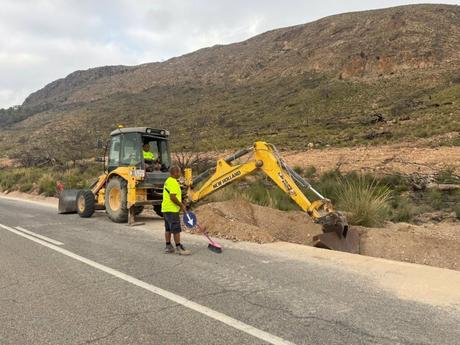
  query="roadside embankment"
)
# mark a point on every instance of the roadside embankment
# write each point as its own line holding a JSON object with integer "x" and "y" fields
{"x": 429, "y": 244}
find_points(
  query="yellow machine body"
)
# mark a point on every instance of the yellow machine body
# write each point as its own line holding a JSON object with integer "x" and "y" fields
{"x": 130, "y": 181}
{"x": 266, "y": 159}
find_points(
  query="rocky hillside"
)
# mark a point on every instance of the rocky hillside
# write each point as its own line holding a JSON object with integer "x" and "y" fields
{"x": 366, "y": 77}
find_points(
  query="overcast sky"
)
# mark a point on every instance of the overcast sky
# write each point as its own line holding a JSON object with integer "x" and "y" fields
{"x": 43, "y": 40}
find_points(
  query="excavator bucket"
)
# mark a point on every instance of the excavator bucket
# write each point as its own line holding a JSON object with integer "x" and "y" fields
{"x": 68, "y": 201}
{"x": 337, "y": 235}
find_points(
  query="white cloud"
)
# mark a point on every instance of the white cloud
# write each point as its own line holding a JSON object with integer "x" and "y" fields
{"x": 43, "y": 40}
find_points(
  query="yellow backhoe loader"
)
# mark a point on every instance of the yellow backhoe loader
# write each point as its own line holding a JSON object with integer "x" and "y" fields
{"x": 129, "y": 181}
{"x": 265, "y": 158}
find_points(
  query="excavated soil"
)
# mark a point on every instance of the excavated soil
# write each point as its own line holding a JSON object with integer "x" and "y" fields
{"x": 240, "y": 220}
{"x": 431, "y": 244}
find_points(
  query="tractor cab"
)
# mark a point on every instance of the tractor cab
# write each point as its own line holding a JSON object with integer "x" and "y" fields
{"x": 145, "y": 148}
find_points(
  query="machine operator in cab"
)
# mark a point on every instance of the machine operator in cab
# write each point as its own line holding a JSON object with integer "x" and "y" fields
{"x": 149, "y": 158}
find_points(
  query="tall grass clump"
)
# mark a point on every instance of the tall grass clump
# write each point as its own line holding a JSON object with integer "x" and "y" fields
{"x": 366, "y": 202}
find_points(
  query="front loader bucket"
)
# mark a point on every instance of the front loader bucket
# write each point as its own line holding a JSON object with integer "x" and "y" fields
{"x": 337, "y": 234}
{"x": 68, "y": 201}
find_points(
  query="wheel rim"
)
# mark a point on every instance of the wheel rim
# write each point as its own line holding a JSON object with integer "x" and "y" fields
{"x": 115, "y": 199}
{"x": 81, "y": 204}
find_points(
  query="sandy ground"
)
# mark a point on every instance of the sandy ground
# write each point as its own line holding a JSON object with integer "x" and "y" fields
{"x": 6, "y": 162}
{"x": 405, "y": 159}
{"x": 430, "y": 244}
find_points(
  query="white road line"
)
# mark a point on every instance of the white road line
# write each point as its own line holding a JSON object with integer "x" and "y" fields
{"x": 40, "y": 236}
{"x": 239, "y": 325}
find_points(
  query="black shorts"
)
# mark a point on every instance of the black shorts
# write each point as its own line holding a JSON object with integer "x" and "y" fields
{"x": 172, "y": 222}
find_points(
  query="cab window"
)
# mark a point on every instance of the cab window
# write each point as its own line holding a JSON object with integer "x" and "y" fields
{"x": 114, "y": 153}
{"x": 131, "y": 150}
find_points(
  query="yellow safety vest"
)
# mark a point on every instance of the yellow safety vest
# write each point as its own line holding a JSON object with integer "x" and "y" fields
{"x": 171, "y": 186}
{"x": 149, "y": 155}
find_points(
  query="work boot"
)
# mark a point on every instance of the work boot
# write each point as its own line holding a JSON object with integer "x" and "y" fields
{"x": 181, "y": 250}
{"x": 169, "y": 249}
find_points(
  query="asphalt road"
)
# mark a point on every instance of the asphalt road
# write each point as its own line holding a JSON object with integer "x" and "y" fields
{"x": 107, "y": 283}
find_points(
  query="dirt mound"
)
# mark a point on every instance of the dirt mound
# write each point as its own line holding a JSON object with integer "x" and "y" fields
{"x": 240, "y": 220}
{"x": 432, "y": 244}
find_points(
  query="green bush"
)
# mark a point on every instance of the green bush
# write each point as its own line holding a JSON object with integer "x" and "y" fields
{"x": 258, "y": 192}
{"x": 26, "y": 187}
{"x": 447, "y": 176}
{"x": 395, "y": 182}
{"x": 435, "y": 199}
{"x": 73, "y": 179}
{"x": 227, "y": 193}
{"x": 47, "y": 185}
{"x": 10, "y": 179}
{"x": 310, "y": 171}
{"x": 403, "y": 210}
{"x": 267, "y": 194}
{"x": 457, "y": 211}
{"x": 328, "y": 185}
{"x": 366, "y": 202}
{"x": 299, "y": 170}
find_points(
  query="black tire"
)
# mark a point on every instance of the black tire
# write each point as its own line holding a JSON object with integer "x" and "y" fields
{"x": 157, "y": 209}
{"x": 116, "y": 195}
{"x": 85, "y": 203}
{"x": 138, "y": 210}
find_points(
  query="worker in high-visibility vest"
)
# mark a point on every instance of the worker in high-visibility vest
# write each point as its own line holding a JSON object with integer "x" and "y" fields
{"x": 147, "y": 154}
{"x": 171, "y": 206}
{"x": 151, "y": 163}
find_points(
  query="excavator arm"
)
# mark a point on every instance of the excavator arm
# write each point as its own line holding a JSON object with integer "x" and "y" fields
{"x": 265, "y": 158}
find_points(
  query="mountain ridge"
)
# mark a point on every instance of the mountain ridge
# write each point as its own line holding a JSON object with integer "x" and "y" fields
{"x": 331, "y": 77}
